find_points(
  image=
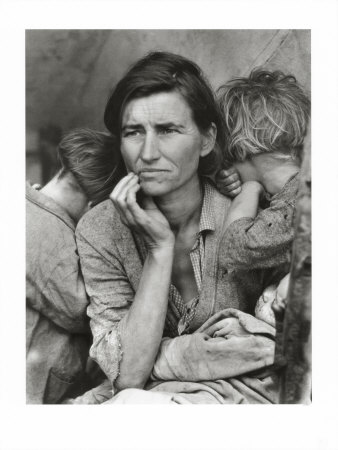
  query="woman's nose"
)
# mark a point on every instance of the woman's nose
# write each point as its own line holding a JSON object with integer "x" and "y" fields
{"x": 150, "y": 150}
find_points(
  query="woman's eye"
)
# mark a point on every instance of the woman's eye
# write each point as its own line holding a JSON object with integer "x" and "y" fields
{"x": 131, "y": 133}
{"x": 168, "y": 131}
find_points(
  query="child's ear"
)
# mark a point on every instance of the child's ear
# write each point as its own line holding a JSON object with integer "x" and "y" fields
{"x": 209, "y": 140}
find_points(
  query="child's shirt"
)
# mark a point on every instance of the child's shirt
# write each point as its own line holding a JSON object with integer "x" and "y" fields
{"x": 265, "y": 241}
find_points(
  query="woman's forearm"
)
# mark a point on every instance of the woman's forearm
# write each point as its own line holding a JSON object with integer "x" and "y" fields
{"x": 142, "y": 328}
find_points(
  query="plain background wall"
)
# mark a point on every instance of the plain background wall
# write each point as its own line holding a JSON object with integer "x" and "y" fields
{"x": 69, "y": 73}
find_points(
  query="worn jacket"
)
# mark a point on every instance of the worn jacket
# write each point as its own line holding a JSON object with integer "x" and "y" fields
{"x": 57, "y": 330}
{"x": 112, "y": 258}
{"x": 265, "y": 241}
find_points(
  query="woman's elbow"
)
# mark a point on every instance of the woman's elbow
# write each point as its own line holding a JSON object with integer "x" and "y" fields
{"x": 130, "y": 380}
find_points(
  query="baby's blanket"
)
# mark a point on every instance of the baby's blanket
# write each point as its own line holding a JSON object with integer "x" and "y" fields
{"x": 228, "y": 360}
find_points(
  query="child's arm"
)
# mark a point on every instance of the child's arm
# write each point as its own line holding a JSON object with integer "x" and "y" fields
{"x": 258, "y": 241}
{"x": 246, "y": 203}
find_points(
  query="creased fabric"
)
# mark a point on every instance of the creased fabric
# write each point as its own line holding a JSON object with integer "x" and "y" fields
{"x": 228, "y": 360}
{"x": 180, "y": 314}
{"x": 229, "y": 344}
{"x": 112, "y": 259}
{"x": 57, "y": 328}
{"x": 266, "y": 240}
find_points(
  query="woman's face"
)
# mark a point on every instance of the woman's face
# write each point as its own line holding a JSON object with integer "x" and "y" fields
{"x": 161, "y": 143}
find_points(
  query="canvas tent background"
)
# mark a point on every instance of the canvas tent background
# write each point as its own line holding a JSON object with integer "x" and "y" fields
{"x": 69, "y": 74}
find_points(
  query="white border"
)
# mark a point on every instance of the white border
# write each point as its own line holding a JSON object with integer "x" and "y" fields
{"x": 154, "y": 427}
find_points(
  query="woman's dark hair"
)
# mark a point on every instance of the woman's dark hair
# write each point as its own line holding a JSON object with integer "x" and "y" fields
{"x": 91, "y": 157}
{"x": 166, "y": 72}
{"x": 267, "y": 112}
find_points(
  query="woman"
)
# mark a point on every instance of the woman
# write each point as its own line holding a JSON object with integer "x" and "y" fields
{"x": 152, "y": 258}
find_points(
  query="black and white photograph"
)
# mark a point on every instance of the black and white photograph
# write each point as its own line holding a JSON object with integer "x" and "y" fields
{"x": 168, "y": 216}
{"x": 168, "y": 228}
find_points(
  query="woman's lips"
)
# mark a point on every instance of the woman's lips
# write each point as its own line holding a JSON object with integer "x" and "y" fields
{"x": 151, "y": 170}
{"x": 148, "y": 174}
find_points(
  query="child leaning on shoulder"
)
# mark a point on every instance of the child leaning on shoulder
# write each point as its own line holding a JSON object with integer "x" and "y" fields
{"x": 266, "y": 117}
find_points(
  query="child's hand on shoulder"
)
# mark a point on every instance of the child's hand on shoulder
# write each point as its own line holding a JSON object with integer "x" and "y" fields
{"x": 228, "y": 182}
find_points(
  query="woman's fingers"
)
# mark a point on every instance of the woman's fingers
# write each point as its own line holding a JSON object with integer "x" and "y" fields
{"x": 133, "y": 209}
{"x": 119, "y": 188}
{"x": 125, "y": 205}
{"x": 223, "y": 324}
{"x": 126, "y": 186}
{"x": 147, "y": 218}
{"x": 119, "y": 194}
{"x": 124, "y": 198}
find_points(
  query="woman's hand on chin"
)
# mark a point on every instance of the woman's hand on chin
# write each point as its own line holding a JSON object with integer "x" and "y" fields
{"x": 147, "y": 220}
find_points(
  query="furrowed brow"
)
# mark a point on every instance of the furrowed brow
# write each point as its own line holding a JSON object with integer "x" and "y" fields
{"x": 132, "y": 126}
{"x": 169, "y": 125}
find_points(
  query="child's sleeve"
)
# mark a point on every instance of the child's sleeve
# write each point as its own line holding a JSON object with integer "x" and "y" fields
{"x": 263, "y": 242}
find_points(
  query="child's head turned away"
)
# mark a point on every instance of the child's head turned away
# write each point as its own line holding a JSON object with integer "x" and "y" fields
{"x": 265, "y": 113}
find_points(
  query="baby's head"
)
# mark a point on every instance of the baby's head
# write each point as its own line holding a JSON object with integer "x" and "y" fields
{"x": 267, "y": 112}
{"x": 282, "y": 292}
{"x": 273, "y": 301}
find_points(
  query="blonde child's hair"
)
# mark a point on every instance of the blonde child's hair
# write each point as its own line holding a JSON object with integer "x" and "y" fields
{"x": 267, "y": 112}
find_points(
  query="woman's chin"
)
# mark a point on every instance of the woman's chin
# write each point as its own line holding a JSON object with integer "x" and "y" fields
{"x": 153, "y": 189}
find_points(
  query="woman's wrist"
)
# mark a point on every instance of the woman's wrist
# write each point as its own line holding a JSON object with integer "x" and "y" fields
{"x": 165, "y": 250}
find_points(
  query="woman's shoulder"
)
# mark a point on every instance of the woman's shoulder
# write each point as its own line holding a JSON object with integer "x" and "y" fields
{"x": 218, "y": 204}
{"x": 102, "y": 221}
